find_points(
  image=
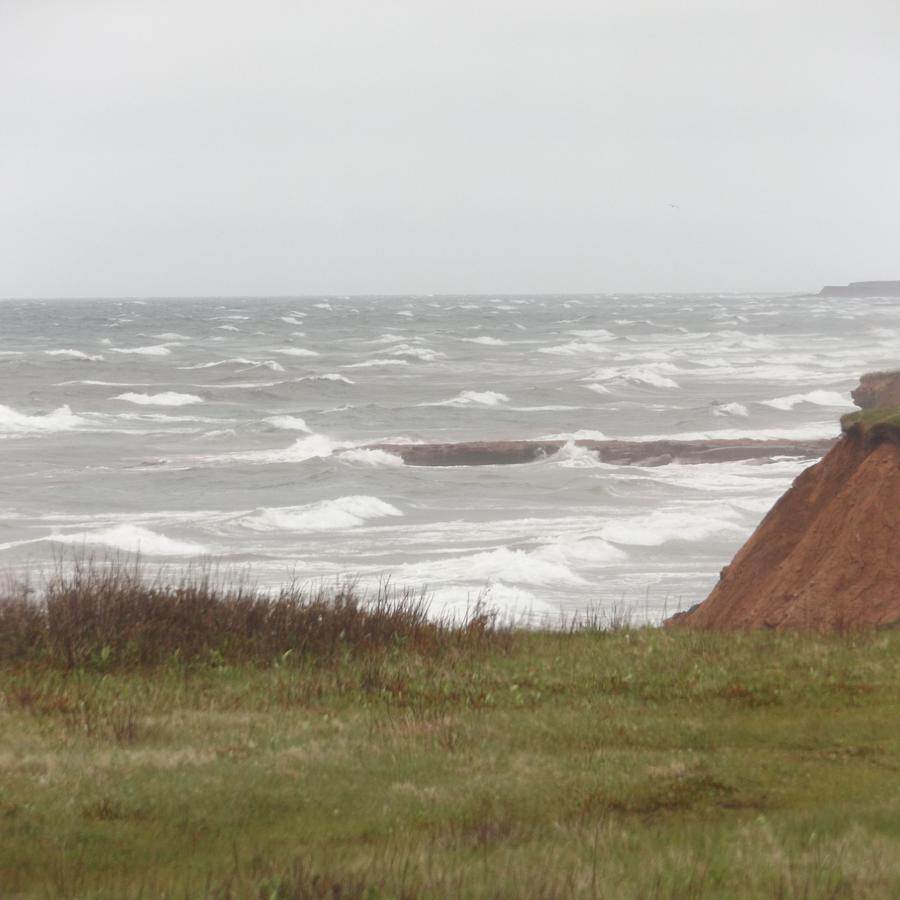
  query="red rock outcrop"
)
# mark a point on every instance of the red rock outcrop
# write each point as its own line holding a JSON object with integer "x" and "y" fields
{"x": 878, "y": 390}
{"x": 827, "y": 556}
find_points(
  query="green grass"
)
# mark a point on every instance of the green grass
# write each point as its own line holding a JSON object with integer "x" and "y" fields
{"x": 584, "y": 763}
{"x": 868, "y": 419}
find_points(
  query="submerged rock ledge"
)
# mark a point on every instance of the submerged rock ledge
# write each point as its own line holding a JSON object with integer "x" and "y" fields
{"x": 645, "y": 453}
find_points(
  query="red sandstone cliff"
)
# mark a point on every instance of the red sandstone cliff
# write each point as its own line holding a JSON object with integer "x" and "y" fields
{"x": 827, "y": 556}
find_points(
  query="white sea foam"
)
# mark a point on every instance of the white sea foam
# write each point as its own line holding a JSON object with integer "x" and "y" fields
{"x": 330, "y": 376}
{"x": 424, "y": 354}
{"x": 288, "y": 423}
{"x": 61, "y": 419}
{"x": 583, "y": 434}
{"x": 551, "y": 408}
{"x": 641, "y": 376}
{"x": 486, "y": 341}
{"x": 809, "y": 432}
{"x": 373, "y": 363}
{"x": 473, "y": 398}
{"x": 75, "y": 354}
{"x": 168, "y": 398}
{"x": 165, "y": 336}
{"x": 594, "y": 334}
{"x": 237, "y": 361}
{"x": 133, "y": 539}
{"x": 598, "y": 388}
{"x": 572, "y": 456}
{"x": 664, "y": 525}
{"x": 291, "y": 320}
{"x": 371, "y": 457}
{"x": 511, "y": 602}
{"x": 817, "y": 398}
{"x": 152, "y": 350}
{"x": 574, "y": 348}
{"x": 329, "y": 515}
{"x": 297, "y": 351}
{"x": 503, "y": 564}
{"x": 316, "y": 446}
{"x": 730, "y": 409}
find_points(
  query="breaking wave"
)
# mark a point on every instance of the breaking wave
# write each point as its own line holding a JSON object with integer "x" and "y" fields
{"x": 152, "y": 350}
{"x": 288, "y": 423}
{"x": 133, "y": 539}
{"x": 371, "y": 457}
{"x": 168, "y": 398}
{"x": 75, "y": 354}
{"x": 818, "y": 398}
{"x": 329, "y": 515}
{"x": 61, "y": 419}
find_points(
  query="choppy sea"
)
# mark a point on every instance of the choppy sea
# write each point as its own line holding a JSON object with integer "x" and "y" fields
{"x": 232, "y": 432}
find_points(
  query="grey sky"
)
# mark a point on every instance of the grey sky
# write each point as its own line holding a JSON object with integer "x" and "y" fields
{"x": 392, "y": 146}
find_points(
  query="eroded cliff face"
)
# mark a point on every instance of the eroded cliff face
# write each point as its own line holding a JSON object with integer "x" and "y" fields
{"x": 878, "y": 390}
{"x": 827, "y": 556}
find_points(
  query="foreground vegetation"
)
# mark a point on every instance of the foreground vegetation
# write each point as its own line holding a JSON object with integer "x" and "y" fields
{"x": 189, "y": 742}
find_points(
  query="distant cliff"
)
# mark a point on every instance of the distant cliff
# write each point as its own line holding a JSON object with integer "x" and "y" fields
{"x": 862, "y": 289}
{"x": 827, "y": 555}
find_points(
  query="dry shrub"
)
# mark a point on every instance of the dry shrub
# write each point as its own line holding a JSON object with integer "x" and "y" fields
{"x": 105, "y": 615}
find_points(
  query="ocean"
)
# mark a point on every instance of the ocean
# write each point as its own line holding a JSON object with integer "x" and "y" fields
{"x": 234, "y": 434}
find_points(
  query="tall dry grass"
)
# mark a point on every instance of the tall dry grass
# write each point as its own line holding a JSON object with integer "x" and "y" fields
{"x": 108, "y": 614}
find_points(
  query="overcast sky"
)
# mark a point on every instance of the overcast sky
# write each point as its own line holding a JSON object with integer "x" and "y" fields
{"x": 417, "y": 146}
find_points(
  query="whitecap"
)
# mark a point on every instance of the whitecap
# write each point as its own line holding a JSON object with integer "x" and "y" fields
{"x": 486, "y": 341}
{"x": 664, "y": 525}
{"x": 371, "y": 457}
{"x": 133, "y": 539}
{"x": 571, "y": 456}
{"x": 328, "y": 515}
{"x": 291, "y": 320}
{"x": 421, "y": 353}
{"x": 329, "y": 376}
{"x": 594, "y": 334}
{"x": 730, "y": 409}
{"x": 583, "y": 434}
{"x": 152, "y": 350}
{"x": 288, "y": 423}
{"x": 61, "y": 419}
{"x": 573, "y": 348}
{"x": 371, "y": 363}
{"x": 817, "y": 398}
{"x": 167, "y": 398}
{"x": 502, "y": 564}
{"x": 228, "y": 327}
{"x": 597, "y": 388}
{"x": 297, "y": 351}
{"x": 473, "y": 398}
{"x": 316, "y": 446}
{"x": 75, "y": 354}
{"x": 236, "y": 361}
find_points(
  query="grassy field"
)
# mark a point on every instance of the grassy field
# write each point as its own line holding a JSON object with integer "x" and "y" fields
{"x": 185, "y": 742}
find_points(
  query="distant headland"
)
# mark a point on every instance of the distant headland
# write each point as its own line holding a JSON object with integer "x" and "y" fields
{"x": 862, "y": 289}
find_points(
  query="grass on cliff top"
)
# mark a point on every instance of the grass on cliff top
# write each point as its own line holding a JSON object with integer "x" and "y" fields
{"x": 178, "y": 744}
{"x": 867, "y": 419}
